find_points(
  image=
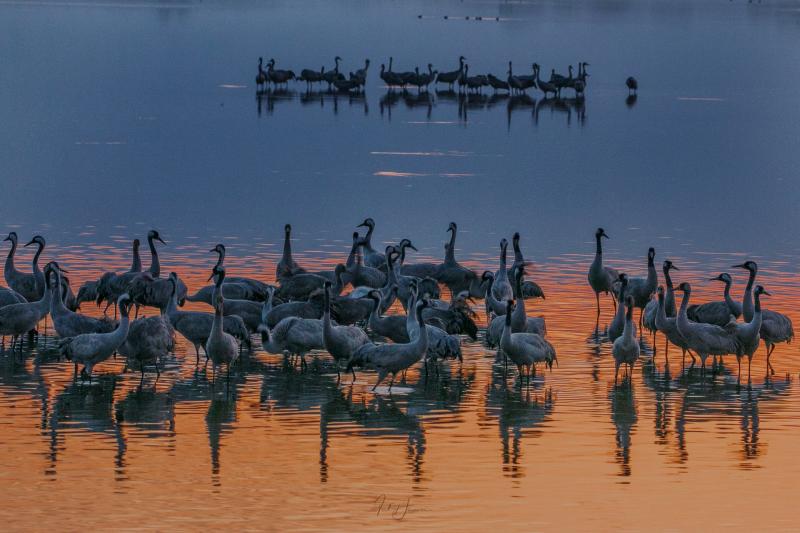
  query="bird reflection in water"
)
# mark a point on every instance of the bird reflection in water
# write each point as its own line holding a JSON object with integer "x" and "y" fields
{"x": 623, "y": 414}
{"x": 563, "y": 106}
{"x": 519, "y": 412}
{"x": 220, "y": 421}
{"x": 630, "y": 100}
{"x": 728, "y": 399}
{"x": 661, "y": 385}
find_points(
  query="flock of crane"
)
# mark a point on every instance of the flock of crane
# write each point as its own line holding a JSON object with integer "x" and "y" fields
{"x": 309, "y": 311}
{"x": 709, "y": 329}
{"x": 460, "y": 77}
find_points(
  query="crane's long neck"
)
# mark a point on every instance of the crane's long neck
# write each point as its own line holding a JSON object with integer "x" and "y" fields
{"x": 599, "y": 248}
{"x": 518, "y": 259}
{"x": 422, "y": 340}
{"x": 503, "y": 257}
{"x": 121, "y": 332}
{"x": 669, "y": 303}
{"x": 155, "y": 265}
{"x": 727, "y": 295}
{"x": 351, "y": 258}
{"x": 374, "y": 314}
{"x": 683, "y": 319}
{"x": 661, "y": 313}
{"x": 172, "y": 305}
{"x": 44, "y": 303}
{"x": 326, "y": 314}
{"x": 36, "y": 269}
{"x": 627, "y": 331}
{"x": 411, "y": 318}
{"x": 220, "y": 260}
{"x": 338, "y": 283}
{"x": 10, "y": 259}
{"x": 450, "y": 253}
{"x": 56, "y": 299}
{"x": 287, "y": 248}
{"x": 747, "y": 301}
{"x": 652, "y": 275}
{"x": 267, "y": 307}
{"x": 136, "y": 265}
{"x": 216, "y": 326}
{"x": 505, "y": 337}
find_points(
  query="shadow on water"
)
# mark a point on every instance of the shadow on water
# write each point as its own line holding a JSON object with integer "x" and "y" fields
{"x": 519, "y": 412}
{"x": 624, "y": 417}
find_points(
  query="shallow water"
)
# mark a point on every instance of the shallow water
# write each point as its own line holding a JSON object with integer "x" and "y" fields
{"x": 122, "y": 116}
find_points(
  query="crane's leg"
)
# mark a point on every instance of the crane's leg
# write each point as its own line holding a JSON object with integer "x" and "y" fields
{"x": 381, "y": 376}
{"x": 749, "y": 362}
{"x": 616, "y": 373}
{"x": 770, "y": 349}
{"x": 739, "y": 373}
{"x": 197, "y": 355}
{"x": 597, "y": 297}
{"x": 521, "y": 374}
{"x": 666, "y": 351}
{"x": 630, "y": 377}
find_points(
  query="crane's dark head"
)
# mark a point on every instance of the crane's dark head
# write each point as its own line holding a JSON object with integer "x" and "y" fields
{"x": 724, "y": 277}
{"x": 623, "y": 277}
{"x": 660, "y": 292}
{"x": 503, "y": 243}
{"x": 600, "y": 233}
{"x": 515, "y": 238}
{"x": 287, "y": 229}
{"x": 11, "y": 237}
{"x": 750, "y": 266}
{"x": 406, "y": 243}
{"x": 669, "y": 266}
{"x": 220, "y": 249}
{"x": 136, "y": 244}
{"x": 759, "y": 290}
{"x": 684, "y": 287}
{"x": 38, "y": 239}
{"x": 338, "y": 58}
{"x": 154, "y": 236}
{"x": 651, "y": 253}
{"x": 340, "y": 269}
{"x": 452, "y": 227}
{"x": 368, "y": 223}
{"x": 487, "y": 275}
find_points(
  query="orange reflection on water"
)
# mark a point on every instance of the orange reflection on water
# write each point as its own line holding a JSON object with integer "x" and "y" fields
{"x": 284, "y": 449}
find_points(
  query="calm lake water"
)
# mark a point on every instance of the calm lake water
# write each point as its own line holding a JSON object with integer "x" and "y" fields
{"x": 122, "y": 116}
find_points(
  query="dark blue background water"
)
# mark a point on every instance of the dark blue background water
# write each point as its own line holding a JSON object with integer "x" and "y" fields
{"x": 118, "y": 113}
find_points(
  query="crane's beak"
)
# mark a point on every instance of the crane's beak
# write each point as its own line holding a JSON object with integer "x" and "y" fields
{"x": 413, "y": 247}
{"x": 32, "y": 242}
{"x": 673, "y": 267}
{"x": 159, "y": 239}
{"x": 768, "y": 294}
{"x": 739, "y": 266}
{"x": 213, "y": 250}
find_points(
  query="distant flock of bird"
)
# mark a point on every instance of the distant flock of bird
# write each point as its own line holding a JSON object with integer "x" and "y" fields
{"x": 309, "y": 311}
{"x": 460, "y": 78}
